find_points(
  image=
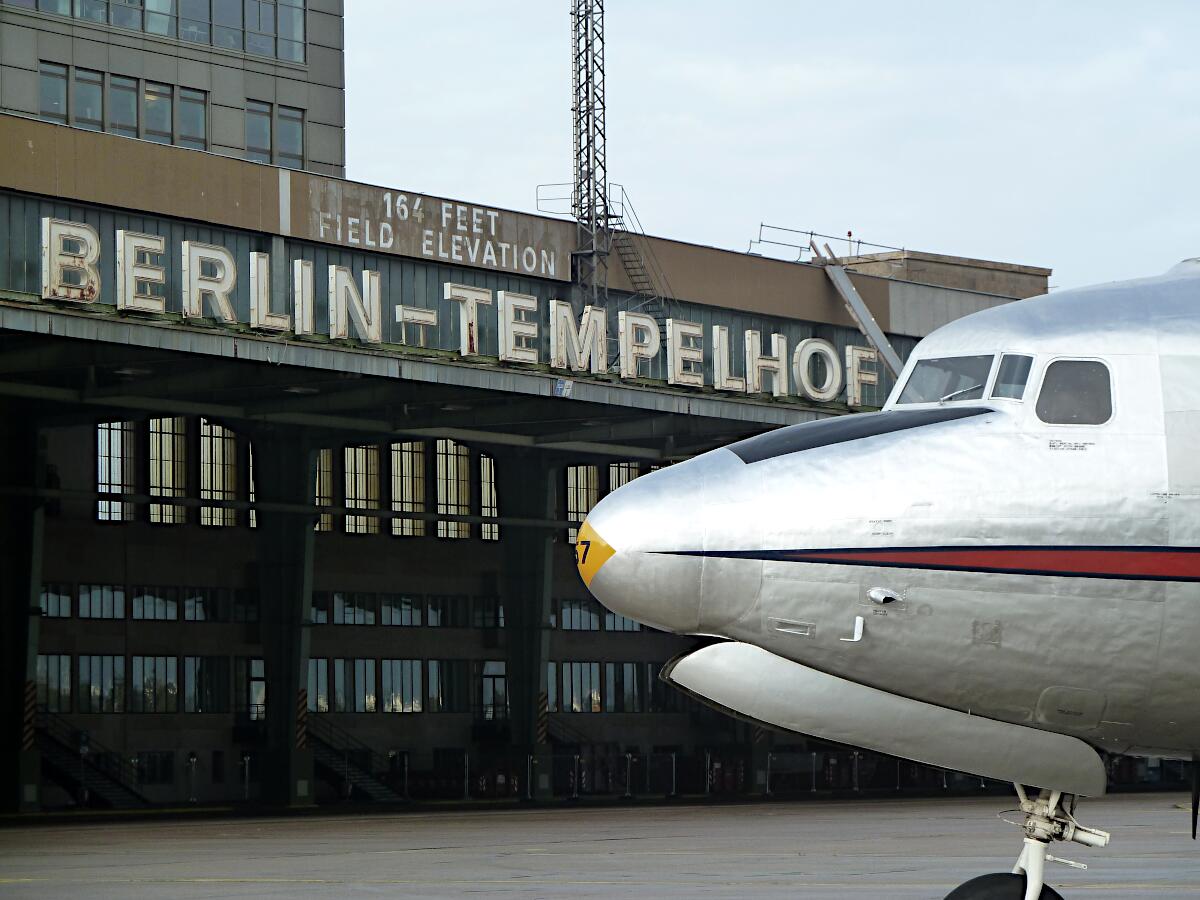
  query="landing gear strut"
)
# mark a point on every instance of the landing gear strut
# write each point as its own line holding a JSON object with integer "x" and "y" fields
{"x": 1046, "y": 819}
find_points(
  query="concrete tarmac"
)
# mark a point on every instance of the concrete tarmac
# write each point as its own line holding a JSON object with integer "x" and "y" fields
{"x": 857, "y": 849}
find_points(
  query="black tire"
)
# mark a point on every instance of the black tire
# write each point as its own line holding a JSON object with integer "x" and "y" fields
{"x": 998, "y": 886}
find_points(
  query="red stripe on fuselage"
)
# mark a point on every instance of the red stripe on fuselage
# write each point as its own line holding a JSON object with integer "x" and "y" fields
{"x": 1093, "y": 562}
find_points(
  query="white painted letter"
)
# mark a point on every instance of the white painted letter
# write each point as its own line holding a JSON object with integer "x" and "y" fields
{"x": 585, "y": 350}
{"x": 131, "y": 273}
{"x": 685, "y": 353}
{"x": 197, "y": 287}
{"x": 802, "y": 370}
{"x": 70, "y": 251}
{"x": 302, "y": 296}
{"x": 518, "y": 336}
{"x": 757, "y": 364}
{"x": 415, "y": 315}
{"x": 856, "y": 376}
{"x": 722, "y": 379}
{"x": 638, "y": 338}
{"x": 260, "y": 296}
{"x": 468, "y": 323}
{"x": 346, "y": 303}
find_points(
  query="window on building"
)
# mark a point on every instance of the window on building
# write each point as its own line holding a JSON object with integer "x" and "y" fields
{"x": 195, "y": 21}
{"x": 157, "y": 113}
{"x": 54, "y": 682}
{"x": 408, "y": 486}
{"x": 353, "y": 608}
{"x": 398, "y": 609}
{"x": 662, "y": 697}
{"x": 251, "y": 677}
{"x": 583, "y": 492}
{"x": 552, "y": 687}
{"x": 343, "y": 678}
{"x": 101, "y": 684}
{"x": 260, "y": 27}
{"x": 448, "y": 686}
{"x": 101, "y": 601}
{"x": 621, "y": 473}
{"x": 623, "y": 687}
{"x": 258, "y": 131}
{"x": 361, "y": 468}
{"x": 453, "y": 488}
{"x": 487, "y": 497}
{"x": 579, "y": 615}
{"x": 447, "y": 612}
{"x": 168, "y": 468}
{"x": 92, "y": 10}
{"x": 290, "y": 30}
{"x": 364, "y": 685}
{"x": 55, "y": 600}
{"x": 493, "y": 690}
{"x": 89, "y": 99}
{"x": 156, "y": 767}
{"x": 245, "y": 606}
{"x": 218, "y": 472}
{"x": 157, "y": 604}
{"x": 227, "y": 24}
{"x": 206, "y": 684}
{"x": 160, "y": 18}
{"x": 123, "y": 105}
{"x": 60, "y": 7}
{"x": 318, "y": 685}
{"x": 487, "y": 612}
{"x": 193, "y": 119}
{"x": 580, "y": 687}
{"x": 207, "y": 604}
{"x": 402, "y": 685}
{"x": 115, "y": 471}
{"x": 155, "y": 685}
{"x": 252, "y": 518}
{"x": 318, "y": 610}
{"x": 127, "y": 14}
{"x": 324, "y": 488}
{"x": 615, "y": 622}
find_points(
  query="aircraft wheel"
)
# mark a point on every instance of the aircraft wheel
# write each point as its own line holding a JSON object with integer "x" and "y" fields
{"x": 998, "y": 886}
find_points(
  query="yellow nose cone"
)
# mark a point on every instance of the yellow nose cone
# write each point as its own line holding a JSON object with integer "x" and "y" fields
{"x": 591, "y": 552}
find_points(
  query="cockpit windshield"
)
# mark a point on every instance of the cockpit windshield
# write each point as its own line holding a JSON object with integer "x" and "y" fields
{"x": 947, "y": 379}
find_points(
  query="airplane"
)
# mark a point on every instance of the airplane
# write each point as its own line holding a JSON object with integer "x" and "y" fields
{"x": 997, "y": 573}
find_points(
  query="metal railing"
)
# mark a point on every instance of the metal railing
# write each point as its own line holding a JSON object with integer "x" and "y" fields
{"x": 95, "y": 755}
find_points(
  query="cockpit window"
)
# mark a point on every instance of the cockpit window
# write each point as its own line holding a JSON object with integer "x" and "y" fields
{"x": 950, "y": 378}
{"x": 1075, "y": 392}
{"x": 1010, "y": 380}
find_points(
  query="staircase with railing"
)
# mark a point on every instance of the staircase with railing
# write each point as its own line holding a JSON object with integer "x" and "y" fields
{"x": 84, "y": 766}
{"x": 651, "y": 287}
{"x": 352, "y": 764}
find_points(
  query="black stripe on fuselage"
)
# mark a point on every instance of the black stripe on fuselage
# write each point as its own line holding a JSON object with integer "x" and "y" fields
{"x": 840, "y": 429}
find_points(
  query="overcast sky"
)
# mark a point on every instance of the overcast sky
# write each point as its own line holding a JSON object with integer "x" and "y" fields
{"x": 1058, "y": 134}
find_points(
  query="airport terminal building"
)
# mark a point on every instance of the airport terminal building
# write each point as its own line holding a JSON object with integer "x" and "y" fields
{"x": 293, "y": 464}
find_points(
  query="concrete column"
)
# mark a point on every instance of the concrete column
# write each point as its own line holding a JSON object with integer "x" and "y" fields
{"x": 23, "y": 466}
{"x": 285, "y": 472}
{"x": 527, "y": 487}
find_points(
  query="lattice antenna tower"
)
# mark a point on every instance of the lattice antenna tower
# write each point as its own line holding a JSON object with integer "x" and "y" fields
{"x": 589, "y": 199}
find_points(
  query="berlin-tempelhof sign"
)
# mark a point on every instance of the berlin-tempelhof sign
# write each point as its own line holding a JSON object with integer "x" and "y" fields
{"x": 447, "y": 232}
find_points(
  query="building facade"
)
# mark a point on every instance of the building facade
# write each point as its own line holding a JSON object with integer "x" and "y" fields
{"x": 261, "y": 80}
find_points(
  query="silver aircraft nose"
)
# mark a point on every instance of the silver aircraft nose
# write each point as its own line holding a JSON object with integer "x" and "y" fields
{"x": 640, "y": 550}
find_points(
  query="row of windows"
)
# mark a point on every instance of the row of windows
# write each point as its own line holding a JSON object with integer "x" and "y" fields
{"x": 409, "y": 686}
{"x": 273, "y": 28}
{"x": 164, "y": 604}
{"x": 163, "y": 113}
{"x": 630, "y": 687}
{"x": 462, "y": 486}
{"x": 443, "y": 611}
{"x": 131, "y": 107}
{"x": 149, "y": 684}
